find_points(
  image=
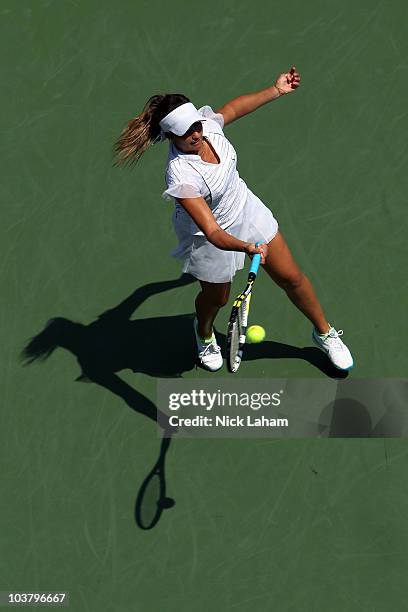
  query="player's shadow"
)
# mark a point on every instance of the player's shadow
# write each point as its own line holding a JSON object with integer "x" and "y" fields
{"x": 159, "y": 346}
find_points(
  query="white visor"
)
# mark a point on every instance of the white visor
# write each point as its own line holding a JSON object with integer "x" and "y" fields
{"x": 180, "y": 119}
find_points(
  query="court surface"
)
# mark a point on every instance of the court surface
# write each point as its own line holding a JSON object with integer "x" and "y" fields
{"x": 300, "y": 525}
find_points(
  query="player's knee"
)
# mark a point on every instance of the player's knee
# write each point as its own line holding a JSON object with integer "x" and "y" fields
{"x": 292, "y": 282}
{"x": 216, "y": 296}
{"x": 220, "y": 299}
{"x": 223, "y": 301}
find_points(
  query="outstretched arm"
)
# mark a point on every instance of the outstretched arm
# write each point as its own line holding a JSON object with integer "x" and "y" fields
{"x": 202, "y": 216}
{"x": 286, "y": 82}
{"x": 125, "y": 309}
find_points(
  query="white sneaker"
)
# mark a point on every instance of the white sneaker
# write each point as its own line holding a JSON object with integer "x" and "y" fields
{"x": 209, "y": 353}
{"x": 336, "y": 350}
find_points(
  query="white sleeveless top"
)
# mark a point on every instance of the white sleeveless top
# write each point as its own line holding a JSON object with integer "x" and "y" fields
{"x": 188, "y": 176}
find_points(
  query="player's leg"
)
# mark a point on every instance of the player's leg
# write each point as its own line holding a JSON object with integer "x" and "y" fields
{"x": 208, "y": 302}
{"x": 281, "y": 266}
{"x": 283, "y": 269}
{"x": 211, "y": 298}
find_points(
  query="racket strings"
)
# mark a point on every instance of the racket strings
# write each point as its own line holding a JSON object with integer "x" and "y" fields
{"x": 235, "y": 338}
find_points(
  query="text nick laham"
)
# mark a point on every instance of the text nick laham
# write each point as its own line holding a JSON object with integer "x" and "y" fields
{"x": 249, "y": 421}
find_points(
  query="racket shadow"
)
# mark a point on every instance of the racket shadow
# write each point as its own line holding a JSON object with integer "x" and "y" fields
{"x": 151, "y": 499}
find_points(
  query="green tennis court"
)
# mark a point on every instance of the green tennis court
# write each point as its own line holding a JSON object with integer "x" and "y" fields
{"x": 259, "y": 524}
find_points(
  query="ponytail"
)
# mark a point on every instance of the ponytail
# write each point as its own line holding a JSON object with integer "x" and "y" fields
{"x": 144, "y": 130}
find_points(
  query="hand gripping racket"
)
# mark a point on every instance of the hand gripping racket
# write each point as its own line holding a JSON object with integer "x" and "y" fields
{"x": 237, "y": 326}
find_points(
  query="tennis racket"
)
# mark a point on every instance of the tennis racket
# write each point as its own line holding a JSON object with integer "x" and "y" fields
{"x": 237, "y": 325}
{"x": 151, "y": 499}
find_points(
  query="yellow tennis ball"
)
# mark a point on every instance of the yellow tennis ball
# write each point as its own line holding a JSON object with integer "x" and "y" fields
{"x": 255, "y": 333}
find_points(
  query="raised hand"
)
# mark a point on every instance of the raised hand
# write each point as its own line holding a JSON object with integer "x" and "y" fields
{"x": 288, "y": 81}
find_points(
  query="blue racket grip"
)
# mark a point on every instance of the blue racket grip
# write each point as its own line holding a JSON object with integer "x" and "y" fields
{"x": 256, "y": 260}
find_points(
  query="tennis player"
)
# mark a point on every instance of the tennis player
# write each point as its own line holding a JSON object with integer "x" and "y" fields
{"x": 217, "y": 218}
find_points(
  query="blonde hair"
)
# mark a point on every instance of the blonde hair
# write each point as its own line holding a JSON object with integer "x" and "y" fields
{"x": 143, "y": 130}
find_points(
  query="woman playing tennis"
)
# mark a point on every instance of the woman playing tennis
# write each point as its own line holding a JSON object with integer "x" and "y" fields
{"x": 217, "y": 218}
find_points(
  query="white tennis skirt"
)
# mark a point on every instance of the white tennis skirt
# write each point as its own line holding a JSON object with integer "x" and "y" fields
{"x": 205, "y": 261}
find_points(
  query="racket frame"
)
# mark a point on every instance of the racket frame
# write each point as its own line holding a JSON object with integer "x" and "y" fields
{"x": 241, "y": 320}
